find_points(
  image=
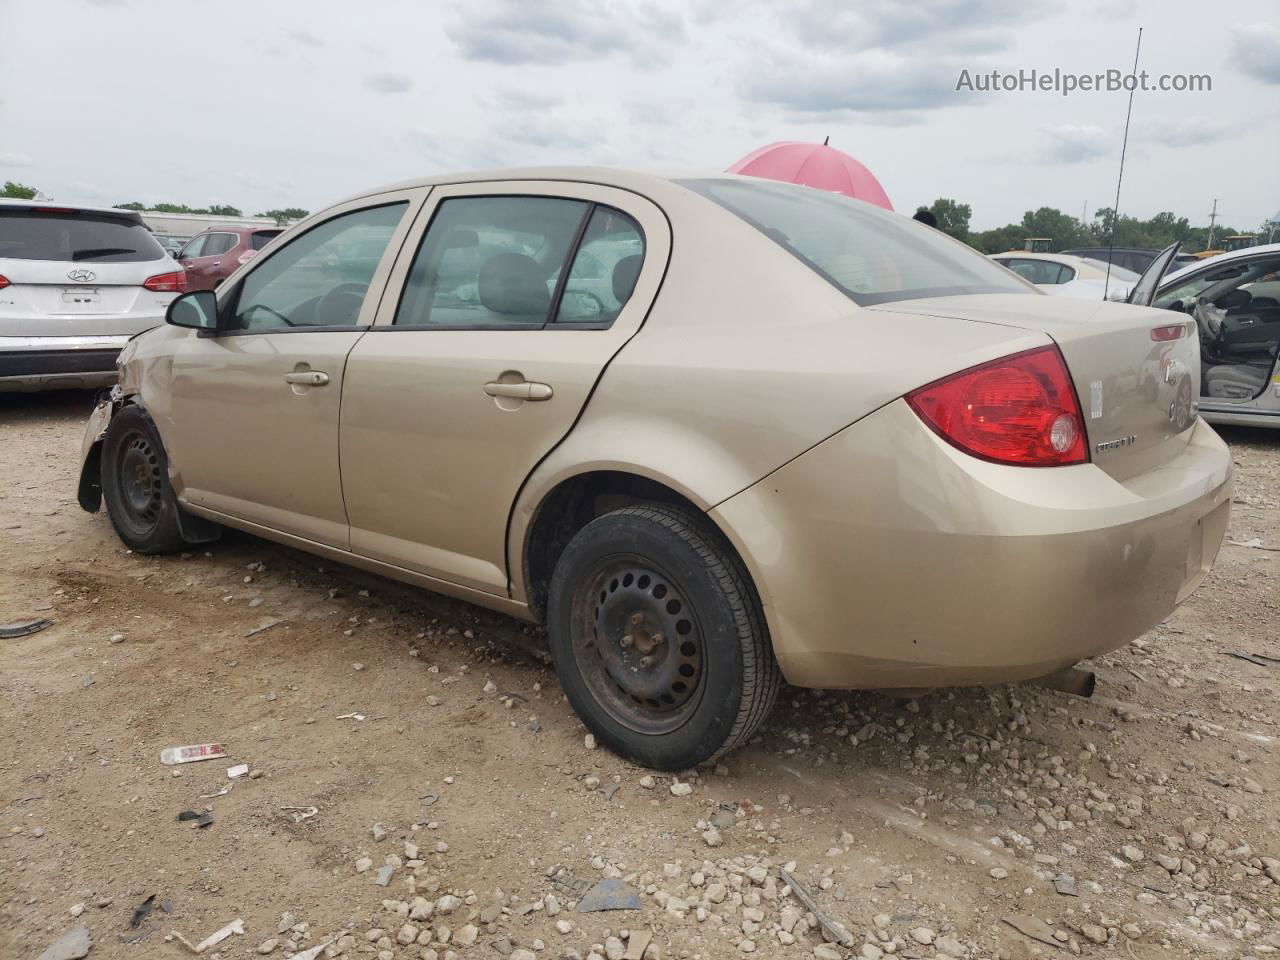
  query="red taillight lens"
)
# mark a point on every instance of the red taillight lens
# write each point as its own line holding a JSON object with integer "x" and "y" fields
{"x": 1174, "y": 331}
{"x": 4, "y": 281}
{"x": 1020, "y": 410}
{"x": 175, "y": 282}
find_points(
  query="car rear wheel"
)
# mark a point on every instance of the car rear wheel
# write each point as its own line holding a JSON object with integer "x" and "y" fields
{"x": 135, "y": 484}
{"x": 658, "y": 638}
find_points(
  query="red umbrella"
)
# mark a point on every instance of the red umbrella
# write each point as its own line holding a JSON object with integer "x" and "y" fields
{"x": 814, "y": 165}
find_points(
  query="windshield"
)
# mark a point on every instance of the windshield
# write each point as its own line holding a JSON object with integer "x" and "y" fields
{"x": 871, "y": 255}
{"x": 32, "y": 233}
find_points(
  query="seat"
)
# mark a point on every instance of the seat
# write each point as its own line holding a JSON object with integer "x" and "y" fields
{"x": 513, "y": 286}
{"x": 625, "y": 274}
{"x": 1234, "y": 381}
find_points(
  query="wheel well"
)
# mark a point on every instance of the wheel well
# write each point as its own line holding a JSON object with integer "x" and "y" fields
{"x": 570, "y": 507}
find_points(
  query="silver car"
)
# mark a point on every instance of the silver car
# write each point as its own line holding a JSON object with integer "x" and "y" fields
{"x": 75, "y": 284}
{"x": 1234, "y": 299}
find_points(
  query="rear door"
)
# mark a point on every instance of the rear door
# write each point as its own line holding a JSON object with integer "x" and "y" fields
{"x": 484, "y": 352}
{"x": 252, "y": 431}
{"x": 70, "y": 272}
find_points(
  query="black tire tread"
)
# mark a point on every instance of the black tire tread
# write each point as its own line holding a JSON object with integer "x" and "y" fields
{"x": 762, "y": 677}
{"x": 168, "y": 536}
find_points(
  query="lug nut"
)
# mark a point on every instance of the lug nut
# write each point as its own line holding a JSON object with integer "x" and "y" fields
{"x": 646, "y": 661}
{"x": 656, "y": 640}
{"x": 636, "y": 618}
{"x": 627, "y": 641}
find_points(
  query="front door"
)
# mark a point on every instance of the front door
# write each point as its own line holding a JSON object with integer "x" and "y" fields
{"x": 1236, "y": 307}
{"x": 255, "y": 407}
{"x": 496, "y": 326}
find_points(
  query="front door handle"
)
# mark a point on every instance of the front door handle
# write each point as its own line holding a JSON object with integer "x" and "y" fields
{"x": 308, "y": 378}
{"x": 523, "y": 390}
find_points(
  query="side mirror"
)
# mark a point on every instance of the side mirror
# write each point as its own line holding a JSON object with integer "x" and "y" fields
{"x": 197, "y": 310}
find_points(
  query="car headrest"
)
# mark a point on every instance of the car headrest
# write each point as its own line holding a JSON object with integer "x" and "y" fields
{"x": 625, "y": 273}
{"x": 512, "y": 284}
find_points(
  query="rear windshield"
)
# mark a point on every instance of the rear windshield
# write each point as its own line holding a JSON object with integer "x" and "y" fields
{"x": 260, "y": 239}
{"x": 871, "y": 255}
{"x": 30, "y": 233}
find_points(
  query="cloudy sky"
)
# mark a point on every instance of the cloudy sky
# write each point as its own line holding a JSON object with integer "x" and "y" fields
{"x": 300, "y": 102}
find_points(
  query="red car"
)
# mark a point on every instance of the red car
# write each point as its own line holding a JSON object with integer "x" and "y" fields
{"x": 214, "y": 254}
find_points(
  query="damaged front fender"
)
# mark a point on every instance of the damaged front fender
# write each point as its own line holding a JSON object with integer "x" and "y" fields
{"x": 89, "y": 492}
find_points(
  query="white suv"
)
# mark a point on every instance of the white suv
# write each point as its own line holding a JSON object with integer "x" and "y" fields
{"x": 75, "y": 284}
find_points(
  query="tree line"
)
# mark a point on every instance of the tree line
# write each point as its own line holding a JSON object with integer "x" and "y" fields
{"x": 1066, "y": 232}
{"x": 22, "y": 191}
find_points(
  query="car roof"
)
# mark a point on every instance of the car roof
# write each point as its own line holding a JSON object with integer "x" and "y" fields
{"x": 240, "y": 228}
{"x": 78, "y": 207}
{"x": 1209, "y": 262}
{"x": 638, "y": 181}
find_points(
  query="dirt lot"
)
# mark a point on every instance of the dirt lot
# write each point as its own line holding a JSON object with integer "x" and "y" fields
{"x": 923, "y": 826}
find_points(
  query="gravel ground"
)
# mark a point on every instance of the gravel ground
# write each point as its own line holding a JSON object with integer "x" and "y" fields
{"x": 1140, "y": 823}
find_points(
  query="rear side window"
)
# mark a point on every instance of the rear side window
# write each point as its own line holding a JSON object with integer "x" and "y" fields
{"x": 869, "y": 254}
{"x": 35, "y": 233}
{"x": 604, "y": 270}
{"x": 260, "y": 239}
{"x": 218, "y": 243}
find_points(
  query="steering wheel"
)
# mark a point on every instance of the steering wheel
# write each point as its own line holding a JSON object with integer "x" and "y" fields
{"x": 341, "y": 306}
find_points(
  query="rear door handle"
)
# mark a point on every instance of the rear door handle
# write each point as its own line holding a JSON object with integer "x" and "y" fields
{"x": 309, "y": 378}
{"x": 524, "y": 390}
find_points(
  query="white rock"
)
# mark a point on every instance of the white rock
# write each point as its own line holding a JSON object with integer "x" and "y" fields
{"x": 923, "y": 935}
{"x": 447, "y": 904}
{"x": 589, "y": 741}
{"x": 681, "y": 789}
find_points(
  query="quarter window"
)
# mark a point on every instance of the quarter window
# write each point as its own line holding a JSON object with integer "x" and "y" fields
{"x": 490, "y": 262}
{"x": 604, "y": 269}
{"x": 320, "y": 278}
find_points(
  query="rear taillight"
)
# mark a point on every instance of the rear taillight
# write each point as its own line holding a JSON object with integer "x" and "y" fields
{"x": 4, "y": 281}
{"x": 1019, "y": 410}
{"x": 175, "y": 282}
{"x": 1174, "y": 331}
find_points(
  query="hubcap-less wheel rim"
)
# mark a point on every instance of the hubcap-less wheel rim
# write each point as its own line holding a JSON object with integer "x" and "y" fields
{"x": 140, "y": 482}
{"x": 640, "y": 646}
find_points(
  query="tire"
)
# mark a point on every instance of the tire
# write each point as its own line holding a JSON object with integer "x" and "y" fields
{"x": 658, "y": 638}
{"x": 135, "y": 484}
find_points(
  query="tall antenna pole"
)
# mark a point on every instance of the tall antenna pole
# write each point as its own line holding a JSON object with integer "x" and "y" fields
{"x": 1124, "y": 146}
{"x": 1213, "y": 217}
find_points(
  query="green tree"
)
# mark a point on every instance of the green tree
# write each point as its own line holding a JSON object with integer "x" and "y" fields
{"x": 1063, "y": 230}
{"x": 999, "y": 240}
{"x": 131, "y": 205}
{"x": 288, "y": 213}
{"x": 18, "y": 191}
{"x": 224, "y": 210}
{"x": 953, "y": 217}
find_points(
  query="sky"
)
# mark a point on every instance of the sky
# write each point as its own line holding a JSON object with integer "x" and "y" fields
{"x": 278, "y": 103}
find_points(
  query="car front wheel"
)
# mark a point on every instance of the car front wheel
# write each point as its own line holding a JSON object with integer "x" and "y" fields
{"x": 658, "y": 638}
{"x": 135, "y": 484}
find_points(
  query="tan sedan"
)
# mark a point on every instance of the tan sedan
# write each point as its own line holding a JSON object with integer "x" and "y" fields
{"x": 712, "y": 431}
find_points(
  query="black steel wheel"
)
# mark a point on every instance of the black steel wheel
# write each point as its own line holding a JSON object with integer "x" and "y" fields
{"x": 135, "y": 484}
{"x": 658, "y": 638}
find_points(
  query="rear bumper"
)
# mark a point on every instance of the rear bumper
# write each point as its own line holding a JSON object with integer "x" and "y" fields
{"x": 886, "y": 558}
{"x": 58, "y": 363}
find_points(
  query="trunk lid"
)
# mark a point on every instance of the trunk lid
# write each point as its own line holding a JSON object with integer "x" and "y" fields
{"x": 1138, "y": 394}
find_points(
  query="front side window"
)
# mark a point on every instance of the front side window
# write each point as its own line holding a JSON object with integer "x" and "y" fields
{"x": 194, "y": 248}
{"x": 490, "y": 262}
{"x": 320, "y": 278}
{"x": 604, "y": 270}
{"x": 869, "y": 254}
